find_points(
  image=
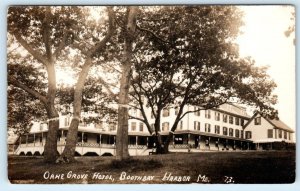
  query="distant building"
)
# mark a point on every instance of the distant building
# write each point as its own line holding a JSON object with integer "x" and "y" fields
{"x": 268, "y": 134}
{"x": 226, "y": 128}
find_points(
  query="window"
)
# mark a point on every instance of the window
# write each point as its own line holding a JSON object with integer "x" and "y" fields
{"x": 207, "y": 114}
{"x": 248, "y": 134}
{"x": 257, "y": 121}
{"x": 237, "y": 121}
{"x": 242, "y": 134}
{"x": 133, "y": 126}
{"x": 225, "y": 131}
{"x": 207, "y": 127}
{"x": 279, "y": 133}
{"x": 217, "y": 129}
{"x": 270, "y": 133}
{"x": 285, "y": 135}
{"x": 176, "y": 110}
{"x": 217, "y": 116}
{"x": 165, "y": 126}
{"x": 142, "y": 99}
{"x": 231, "y": 132}
{"x": 141, "y": 127}
{"x": 180, "y": 124}
{"x": 230, "y": 119}
{"x": 67, "y": 121}
{"x": 140, "y": 114}
{"x": 224, "y": 118}
{"x": 41, "y": 126}
{"x": 197, "y": 125}
{"x": 242, "y": 122}
{"x": 178, "y": 139}
{"x": 237, "y": 133}
{"x": 152, "y": 126}
{"x": 289, "y": 136}
{"x": 197, "y": 113}
{"x": 166, "y": 112}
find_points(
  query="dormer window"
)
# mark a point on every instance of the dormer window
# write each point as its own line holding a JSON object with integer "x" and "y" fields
{"x": 166, "y": 112}
{"x": 257, "y": 121}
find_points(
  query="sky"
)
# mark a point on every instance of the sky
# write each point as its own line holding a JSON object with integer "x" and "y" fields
{"x": 263, "y": 39}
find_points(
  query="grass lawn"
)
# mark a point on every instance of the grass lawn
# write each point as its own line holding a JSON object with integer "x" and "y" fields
{"x": 205, "y": 167}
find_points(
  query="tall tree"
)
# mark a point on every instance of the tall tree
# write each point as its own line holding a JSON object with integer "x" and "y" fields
{"x": 126, "y": 64}
{"x": 187, "y": 58}
{"x": 44, "y": 33}
{"x": 90, "y": 49}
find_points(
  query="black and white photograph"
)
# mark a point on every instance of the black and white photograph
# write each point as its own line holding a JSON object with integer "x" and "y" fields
{"x": 151, "y": 94}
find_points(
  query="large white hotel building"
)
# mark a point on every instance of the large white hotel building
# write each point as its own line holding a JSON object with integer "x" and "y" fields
{"x": 226, "y": 128}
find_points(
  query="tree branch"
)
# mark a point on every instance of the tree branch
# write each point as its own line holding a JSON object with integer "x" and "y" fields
{"x": 106, "y": 85}
{"x": 152, "y": 33}
{"x": 46, "y": 33}
{"x": 62, "y": 43}
{"x": 100, "y": 45}
{"x": 16, "y": 83}
{"x": 34, "y": 53}
{"x": 137, "y": 118}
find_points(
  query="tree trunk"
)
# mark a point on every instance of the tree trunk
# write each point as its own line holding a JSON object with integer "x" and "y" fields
{"x": 50, "y": 149}
{"x": 122, "y": 131}
{"x": 69, "y": 150}
{"x": 160, "y": 147}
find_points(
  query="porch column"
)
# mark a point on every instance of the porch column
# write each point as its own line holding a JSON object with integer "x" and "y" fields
{"x": 62, "y": 136}
{"x": 82, "y": 134}
{"x": 248, "y": 145}
{"x": 147, "y": 142}
{"x": 82, "y": 143}
{"x": 34, "y": 139}
{"x": 100, "y": 136}
{"x": 188, "y": 141}
{"x": 173, "y": 139}
{"x": 42, "y": 138}
{"x": 199, "y": 140}
{"x": 234, "y": 144}
{"x": 208, "y": 143}
{"x": 218, "y": 144}
{"x": 136, "y": 144}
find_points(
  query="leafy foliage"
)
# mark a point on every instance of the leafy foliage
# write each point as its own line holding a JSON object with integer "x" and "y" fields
{"x": 185, "y": 55}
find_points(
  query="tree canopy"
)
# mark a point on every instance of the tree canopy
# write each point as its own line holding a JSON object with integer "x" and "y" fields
{"x": 187, "y": 57}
